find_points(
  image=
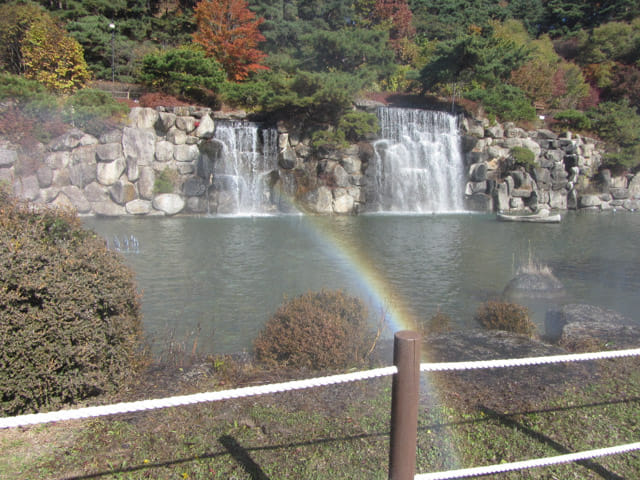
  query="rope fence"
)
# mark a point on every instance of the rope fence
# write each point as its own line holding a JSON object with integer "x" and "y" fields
{"x": 142, "y": 405}
{"x": 540, "y": 462}
{"x": 405, "y": 370}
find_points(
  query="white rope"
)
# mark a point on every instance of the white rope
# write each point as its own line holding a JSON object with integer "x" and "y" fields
{"x": 128, "y": 407}
{"x": 540, "y": 462}
{"x": 521, "y": 362}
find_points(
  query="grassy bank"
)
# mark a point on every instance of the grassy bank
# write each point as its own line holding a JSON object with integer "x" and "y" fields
{"x": 335, "y": 432}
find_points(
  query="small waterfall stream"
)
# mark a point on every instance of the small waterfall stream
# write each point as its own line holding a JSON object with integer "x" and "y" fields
{"x": 244, "y": 160}
{"x": 417, "y": 165}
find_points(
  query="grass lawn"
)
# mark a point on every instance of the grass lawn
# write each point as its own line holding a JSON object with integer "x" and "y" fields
{"x": 336, "y": 432}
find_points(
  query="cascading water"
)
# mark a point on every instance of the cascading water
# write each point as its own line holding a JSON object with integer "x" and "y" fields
{"x": 417, "y": 166}
{"x": 245, "y": 157}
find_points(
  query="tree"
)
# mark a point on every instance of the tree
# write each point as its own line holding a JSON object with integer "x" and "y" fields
{"x": 181, "y": 71}
{"x": 230, "y": 33}
{"x": 444, "y": 18}
{"x": 618, "y": 123}
{"x": 396, "y": 12}
{"x": 569, "y": 86}
{"x": 476, "y": 56}
{"x": 349, "y": 50}
{"x": 53, "y": 58}
{"x": 15, "y": 20}
{"x": 570, "y": 15}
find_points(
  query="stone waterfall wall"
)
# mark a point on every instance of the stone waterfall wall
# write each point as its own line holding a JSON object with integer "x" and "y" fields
{"x": 566, "y": 173}
{"x": 115, "y": 174}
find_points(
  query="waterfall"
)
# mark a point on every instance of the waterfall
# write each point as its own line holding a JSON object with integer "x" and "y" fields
{"x": 417, "y": 165}
{"x": 242, "y": 168}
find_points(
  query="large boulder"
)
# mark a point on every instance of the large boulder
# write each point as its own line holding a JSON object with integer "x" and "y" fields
{"x": 76, "y": 197}
{"x": 67, "y": 141}
{"x": 27, "y": 188}
{"x": 138, "y": 207}
{"x": 122, "y": 192}
{"x": 534, "y": 283}
{"x": 287, "y": 158}
{"x": 205, "y": 128}
{"x": 580, "y": 326}
{"x": 108, "y": 173}
{"x": 139, "y": 145}
{"x": 343, "y": 202}
{"x": 58, "y": 160}
{"x": 146, "y": 183}
{"x": 143, "y": 117}
{"x": 164, "y": 151}
{"x": 8, "y": 156}
{"x": 169, "y": 203}
{"x": 319, "y": 201}
{"x": 478, "y": 172}
{"x": 108, "y": 209}
{"x": 589, "y": 201}
{"x": 186, "y": 153}
{"x": 108, "y": 152}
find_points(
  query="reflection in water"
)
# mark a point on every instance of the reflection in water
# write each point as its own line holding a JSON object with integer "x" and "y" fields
{"x": 228, "y": 275}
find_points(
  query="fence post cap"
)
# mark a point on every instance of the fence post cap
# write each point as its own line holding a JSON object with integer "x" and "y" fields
{"x": 407, "y": 335}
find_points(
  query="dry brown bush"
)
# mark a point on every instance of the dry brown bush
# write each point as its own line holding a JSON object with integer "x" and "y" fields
{"x": 499, "y": 315}
{"x": 318, "y": 330}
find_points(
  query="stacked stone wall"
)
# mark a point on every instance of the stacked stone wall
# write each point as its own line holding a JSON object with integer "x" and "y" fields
{"x": 115, "y": 174}
{"x": 566, "y": 172}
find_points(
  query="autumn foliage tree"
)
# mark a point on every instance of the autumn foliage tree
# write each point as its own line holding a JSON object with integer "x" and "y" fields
{"x": 398, "y": 12}
{"x": 53, "y": 58}
{"x": 229, "y": 32}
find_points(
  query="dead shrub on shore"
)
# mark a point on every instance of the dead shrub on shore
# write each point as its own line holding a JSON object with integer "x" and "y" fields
{"x": 500, "y": 315}
{"x": 317, "y": 330}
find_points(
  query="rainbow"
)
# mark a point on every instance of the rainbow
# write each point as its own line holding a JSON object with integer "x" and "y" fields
{"x": 382, "y": 295}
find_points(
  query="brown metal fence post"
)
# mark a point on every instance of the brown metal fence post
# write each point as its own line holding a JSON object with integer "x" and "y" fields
{"x": 404, "y": 406}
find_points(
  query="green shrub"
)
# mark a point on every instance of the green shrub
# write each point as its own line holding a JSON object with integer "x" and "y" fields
{"x": 165, "y": 181}
{"x": 573, "y": 119}
{"x": 497, "y": 315}
{"x": 356, "y": 125}
{"x": 523, "y": 157}
{"x": 328, "y": 139}
{"x": 176, "y": 70}
{"x": 69, "y": 314}
{"x": 21, "y": 89}
{"x": 326, "y": 329}
{"x": 94, "y": 111}
{"x": 507, "y": 102}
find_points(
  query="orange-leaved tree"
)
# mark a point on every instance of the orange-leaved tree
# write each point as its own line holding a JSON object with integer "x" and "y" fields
{"x": 230, "y": 33}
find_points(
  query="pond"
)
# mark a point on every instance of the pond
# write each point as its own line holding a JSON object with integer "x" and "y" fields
{"x": 220, "y": 278}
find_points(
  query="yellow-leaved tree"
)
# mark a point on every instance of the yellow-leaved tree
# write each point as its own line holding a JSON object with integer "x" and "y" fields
{"x": 53, "y": 58}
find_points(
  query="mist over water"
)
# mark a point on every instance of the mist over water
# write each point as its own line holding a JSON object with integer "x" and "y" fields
{"x": 228, "y": 275}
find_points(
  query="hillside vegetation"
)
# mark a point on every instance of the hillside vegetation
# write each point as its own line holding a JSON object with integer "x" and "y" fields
{"x": 576, "y": 62}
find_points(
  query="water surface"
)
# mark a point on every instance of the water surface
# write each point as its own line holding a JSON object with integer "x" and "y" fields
{"x": 226, "y": 276}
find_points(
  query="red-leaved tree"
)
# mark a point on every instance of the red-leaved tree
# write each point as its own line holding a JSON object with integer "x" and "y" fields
{"x": 399, "y": 14}
{"x": 229, "y": 32}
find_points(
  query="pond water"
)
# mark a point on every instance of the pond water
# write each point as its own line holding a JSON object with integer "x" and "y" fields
{"x": 222, "y": 277}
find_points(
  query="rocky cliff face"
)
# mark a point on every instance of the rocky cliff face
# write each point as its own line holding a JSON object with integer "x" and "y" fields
{"x": 564, "y": 173}
{"x": 164, "y": 162}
